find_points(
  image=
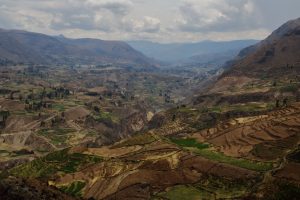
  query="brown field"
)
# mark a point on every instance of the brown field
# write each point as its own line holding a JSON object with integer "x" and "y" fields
{"x": 238, "y": 139}
{"x": 290, "y": 171}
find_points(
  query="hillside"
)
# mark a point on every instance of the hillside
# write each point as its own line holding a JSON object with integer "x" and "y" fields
{"x": 270, "y": 67}
{"x": 273, "y": 56}
{"x": 28, "y": 47}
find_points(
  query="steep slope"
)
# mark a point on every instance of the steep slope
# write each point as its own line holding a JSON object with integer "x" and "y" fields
{"x": 271, "y": 67}
{"x": 285, "y": 30}
{"x": 28, "y": 47}
{"x": 275, "y": 55}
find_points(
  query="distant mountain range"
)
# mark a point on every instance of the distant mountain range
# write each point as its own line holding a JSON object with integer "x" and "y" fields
{"x": 206, "y": 52}
{"x": 28, "y": 47}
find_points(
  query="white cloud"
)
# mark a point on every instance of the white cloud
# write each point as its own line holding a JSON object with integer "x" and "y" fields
{"x": 119, "y": 7}
{"x": 217, "y": 15}
{"x": 147, "y": 24}
{"x": 167, "y": 20}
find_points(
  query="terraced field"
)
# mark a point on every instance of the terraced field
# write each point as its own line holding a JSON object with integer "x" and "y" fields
{"x": 137, "y": 167}
{"x": 245, "y": 137}
{"x": 180, "y": 166}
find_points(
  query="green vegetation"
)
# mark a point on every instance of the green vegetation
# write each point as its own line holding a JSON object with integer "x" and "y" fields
{"x": 59, "y": 161}
{"x": 74, "y": 189}
{"x": 290, "y": 88}
{"x": 243, "y": 163}
{"x": 139, "y": 139}
{"x": 23, "y": 113}
{"x": 249, "y": 107}
{"x": 58, "y": 107}
{"x": 183, "y": 192}
{"x": 103, "y": 116}
{"x": 58, "y": 136}
{"x": 202, "y": 150}
{"x": 3, "y": 151}
{"x": 190, "y": 142}
{"x": 223, "y": 188}
{"x": 216, "y": 109}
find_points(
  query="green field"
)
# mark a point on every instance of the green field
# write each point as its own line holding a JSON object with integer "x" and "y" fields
{"x": 139, "y": 139}
{"x": 223, "y": 188}
{"x": 74, "y": 189}
{"x": 58, "y": 136}
{"x": 183, "y": 192}
{"x": 59, "y": 161}
{"x": 190, "y": 142}
{"x": 101, "y": 116}
{"x": 243, "y": 163}
{"x": 58, "y": 107}
{"x": 203, "y": 150}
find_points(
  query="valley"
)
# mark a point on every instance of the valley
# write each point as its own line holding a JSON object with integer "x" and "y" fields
{"x": 47, "y": 108}
{"x": 133, "y": 129}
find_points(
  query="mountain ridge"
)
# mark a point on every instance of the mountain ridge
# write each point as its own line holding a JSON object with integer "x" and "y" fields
{"x": 29, "y": 47}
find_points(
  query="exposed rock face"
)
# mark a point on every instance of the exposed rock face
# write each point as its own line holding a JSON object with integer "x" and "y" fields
{"x": 6, "y": 165}
{"x": 135, "y": 122}
{"x": 26, "y": 139}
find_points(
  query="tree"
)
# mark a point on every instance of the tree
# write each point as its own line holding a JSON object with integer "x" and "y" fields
{"x": 174, "y": 117}
{"x": 43, "y": 123}
{"x": 11, "y": 95}
{"x": 20, "y": 97}
{"x": 277, "y": 103}
{"x": 96, "y": 109}
{"x": 285, "y": 102}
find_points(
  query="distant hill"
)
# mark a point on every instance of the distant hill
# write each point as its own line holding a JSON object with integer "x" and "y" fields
{"x": 28, "y": 47}
{"x": 201, "y": 52}
{"x": 271, "y": 57}
{"x": 275, "y": 58}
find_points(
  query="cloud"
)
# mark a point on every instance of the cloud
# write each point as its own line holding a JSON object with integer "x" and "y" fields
{"x": 118, "y": 7}
{"x": 104, "y": 15}
{"x": 217, "y": 15}
{"x": 167, "y": 20}
{"x": 146, "y": 25}
{"x": 151, "y": 24}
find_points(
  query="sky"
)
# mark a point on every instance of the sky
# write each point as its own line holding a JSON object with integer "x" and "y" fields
{"x": 162, "y": 21}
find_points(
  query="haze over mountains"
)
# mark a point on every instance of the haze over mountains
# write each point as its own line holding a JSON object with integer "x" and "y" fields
{"x": 200, "y": 52}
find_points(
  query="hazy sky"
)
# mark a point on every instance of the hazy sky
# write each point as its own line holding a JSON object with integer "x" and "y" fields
{"x": 155, "y": 20}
